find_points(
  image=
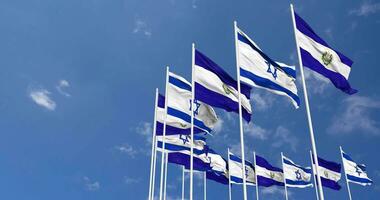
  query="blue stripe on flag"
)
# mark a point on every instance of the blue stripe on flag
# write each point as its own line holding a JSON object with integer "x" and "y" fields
{"x": 177, "y": 82}
{"x": 268, "y": 84}
{"x": 217, "y": 176}
{"x": 329, "y": 183}
{"x": 217, "y": 100}
{"x": 187, "y": 118}
{"x": 359, "y": 180}
{"x": 184, "y": 159}
{"x": 260, "y": 161}
{"x": 347, "y": 157}
{"x": 337, "y": 79}
{"x": 291, "y": 182}
{"x": 237, "y": 159}
{"x": 267, "y": 182}
{"x": 171, "y": 130}
{"x": 304, "y": 28}
{"x": 307, "y": 170}
{"x": 161, "y": 101}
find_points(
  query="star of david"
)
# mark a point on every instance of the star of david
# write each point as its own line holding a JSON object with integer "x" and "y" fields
{"x": 358, "y": 170}
{"x": 269, "y": 70}
{"x": 298, "y": 174}
{"x": 184, "y": 138}
{"x": 197, "y": 106}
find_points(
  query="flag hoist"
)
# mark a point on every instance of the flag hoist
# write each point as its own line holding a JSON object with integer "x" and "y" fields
{"x": 153, "y": 154}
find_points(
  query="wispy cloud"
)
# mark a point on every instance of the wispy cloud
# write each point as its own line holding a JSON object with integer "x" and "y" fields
{"x": 283, "y": 137}
{"x": 274, "y": 190}
{"x": 141, "y": 27}
{"x": 262, "y": 100}
{"x": 145, "y": 129}
{"x": 62, "y": 85}
{"x": 317, "y": 83}
{"x": 42, "y": 98}
{"x": 126, "y": 149}
{"x": 366, "y": 8}
{"x": 256, "y": 131}
{"x": 194, "y": 4}
{"x": 91, "y": 185}
{"x": 130, "y": 180}
{"x": 356, "y": 115}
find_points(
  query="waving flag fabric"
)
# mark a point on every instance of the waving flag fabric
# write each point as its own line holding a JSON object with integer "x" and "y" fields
{"x": 296, "y": 175}
{"x": 356, "y": 173}
{"x": 258, "y": 70}
{"x": 317, "y": 55}
{"x": 235, "y": 168}
{"x": 218, "y": 168}
{"x": 268, "y": 175}
{"x": 176, "y": 143}
{"x": 179, "y": 106}
{"x": 217, "y": 88}
{"x": 329, "y": 172}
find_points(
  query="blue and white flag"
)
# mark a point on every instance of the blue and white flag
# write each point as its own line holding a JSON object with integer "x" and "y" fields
{"x": 258, "y": 70}
{"x": 218, "y": 168}
{"x": 179, "y": 106}
{"x": 317, "y": 55}
{"x": 180, "y": 143}
{"x": 217, "y": 88}
{"x": 296, "y": 175}
{"x": 329, "y": 172}
{"x": 171, "y": 127}
{"x": 268, "y": 175}
{"x": 201, "y": 161}
{"x": 356, "y": 173}
{"x": 235, "y": 169}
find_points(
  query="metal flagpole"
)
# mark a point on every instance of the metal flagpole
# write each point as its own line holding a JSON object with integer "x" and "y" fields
{"x": 152, "y": 159}
{"x": 286, "y": 190}
{"x": 240, "y": 114}
{"x": 229, "y": 176}
{"x": 204, "y": 186}
{"x": 313, "y": 145}
{"x": 154, "y": 164}
{"x": 164, "y": 133}
{"x": 345, "y": 174}
{"x": 257, "y": 181}
{"x": 315, "y": 181}
{"x": 183, "y": 183}
{"x": 192, "y": 120}
{"x": 166, "y": 174}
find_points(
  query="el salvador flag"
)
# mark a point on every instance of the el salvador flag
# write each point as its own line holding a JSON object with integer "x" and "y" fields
{"x": 268, "y": 175}
{"x": 235, "y": 169}
{"x": 179, "y": 106}
{"x": 217, "y": 88}
{"x": 356, "y": 173}
{"x": 258, "y": 70}
{"x": 317, "y": 55}
{"x": 173, "y": 124}
{"x": 296, "y": 175}
{"x": 329, "y": 172}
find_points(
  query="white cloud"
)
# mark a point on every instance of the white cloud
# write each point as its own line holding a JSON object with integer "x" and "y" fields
{"x": 316, "y": 83}
{"x": 62, "y": 84}
{"x": 141, "y": 27}
{"x": 145, "y": 129}
{"x": 91, "y": 185}
{"x": 41, "y": 97}
{"x": 274, "y": 190}
{"x": 127, "y": 149}
{"x": 356, "y": 116}
{"x": 262, "y": 101}
{"x": 366, "y": 8}
{"x": 194, "y": 4}
{"x": 218, "y": 126}
{"x": 283, "y": 137}
{"x": 256, "y": 131}
{"x": 129, "y": 180}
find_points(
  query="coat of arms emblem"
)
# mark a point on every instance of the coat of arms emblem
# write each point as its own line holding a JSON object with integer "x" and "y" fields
{"x": 327, "y": 58}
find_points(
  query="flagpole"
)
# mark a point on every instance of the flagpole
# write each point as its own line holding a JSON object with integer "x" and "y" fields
{"x": 164, "y": 133}
{"x": 152, "y": 159}
{"x": 192, "y": 120}
{"x": 286, "y": 190}
{"x": 345, "y": 174}
{"x": 166, "y": 174}
{"x": 257, "y": 181}
{"x": 229, "y": 176}
{"x": 204, "y": 186}
{"x": 315, "y": 181}
{"x": 240, "y": 113}
{"x": 183, "y": 183}
{"x": 313, "y": 145}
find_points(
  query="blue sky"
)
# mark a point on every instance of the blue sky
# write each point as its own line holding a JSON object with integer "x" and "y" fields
{"x": 77, "y": 88}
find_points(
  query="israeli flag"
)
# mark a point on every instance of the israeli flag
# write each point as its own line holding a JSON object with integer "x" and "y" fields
{"x": 218, "y": 168}
{"x": 317, "y": 55}
{"x": 236, "y": 171}
{"x": 179, "y": 106}
{"x": 200, "y": 160}
{"x": 356, "y": 173}
{"x": 217, "y": 88}
{"x": 296, "y": 175}
{"x": 176, "y": 143}
{"x": 268, "y": 175}
{"x": 258, "y": 70}
{"x": 172, "y": 127}
{"x": 329, "y": 172}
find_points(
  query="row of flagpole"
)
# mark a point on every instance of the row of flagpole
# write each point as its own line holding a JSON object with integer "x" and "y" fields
{"x": 164, "y": 156}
